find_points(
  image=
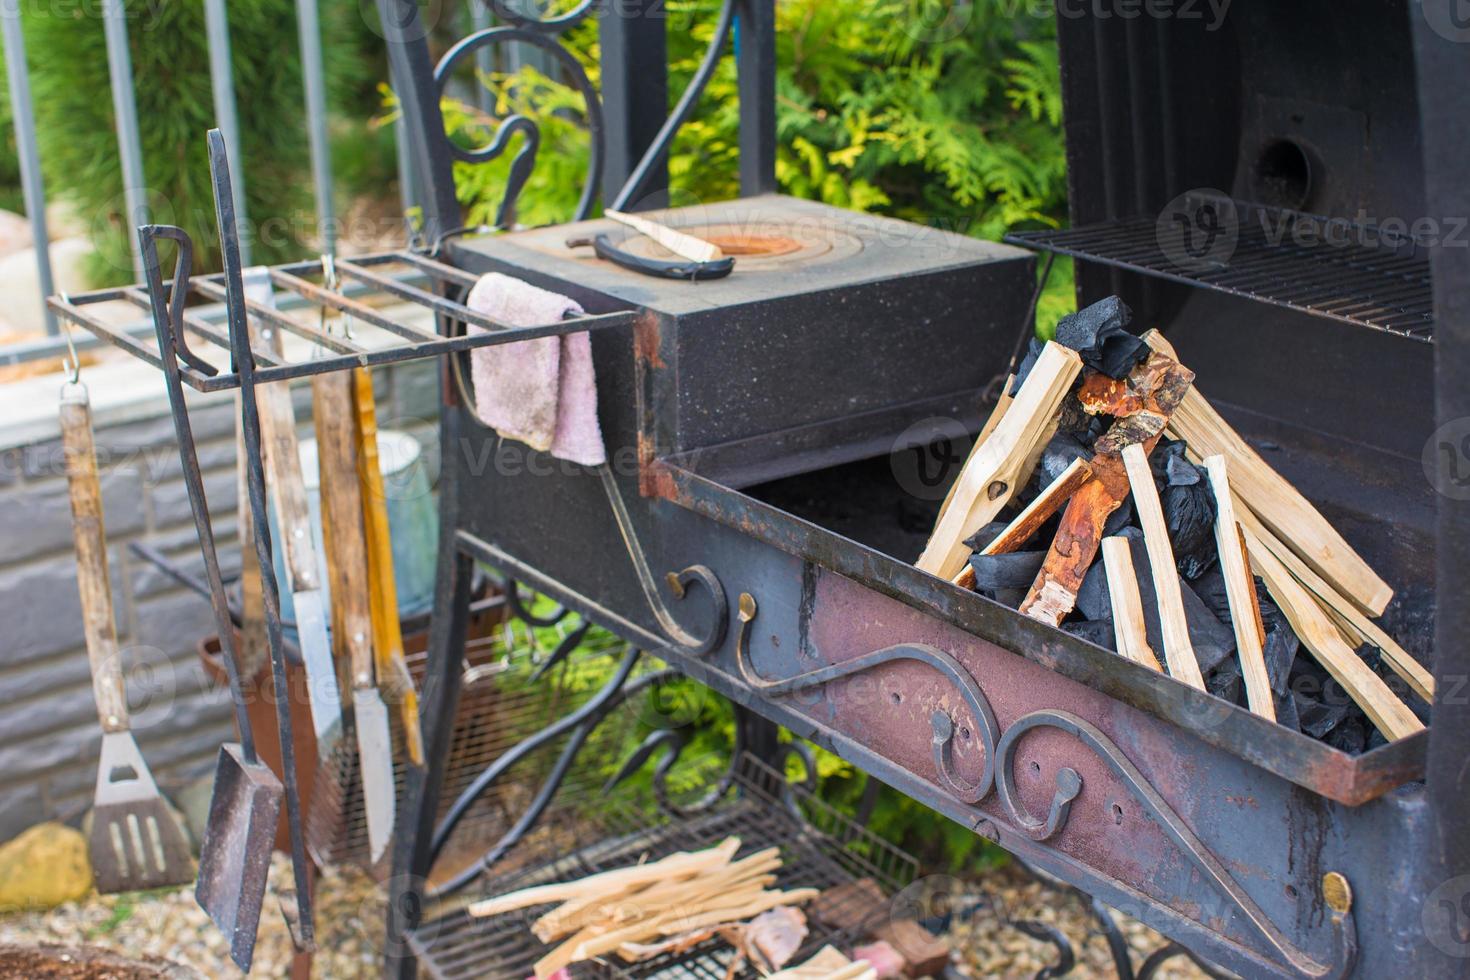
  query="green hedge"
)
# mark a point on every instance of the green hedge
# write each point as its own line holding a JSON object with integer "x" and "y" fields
{"x": 77, "y": 134}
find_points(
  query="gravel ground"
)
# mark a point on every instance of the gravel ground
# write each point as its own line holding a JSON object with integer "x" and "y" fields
{"x": 349, "y": 919}
{"x": 169, "y": 924}
{"x": 990, "y": 946}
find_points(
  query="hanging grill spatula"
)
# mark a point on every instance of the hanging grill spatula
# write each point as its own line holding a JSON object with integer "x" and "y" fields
{"x": 136, "y": 842}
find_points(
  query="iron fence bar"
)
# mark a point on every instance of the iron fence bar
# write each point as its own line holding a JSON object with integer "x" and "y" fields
{"x": 308, "y": 25}
{"x": 222, "y": 86}
{"x": 125, "y": 108}
{"x": 32, "y": 189}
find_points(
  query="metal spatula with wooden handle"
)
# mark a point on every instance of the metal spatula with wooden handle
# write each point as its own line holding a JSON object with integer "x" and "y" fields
{"x": 136, "y": 843}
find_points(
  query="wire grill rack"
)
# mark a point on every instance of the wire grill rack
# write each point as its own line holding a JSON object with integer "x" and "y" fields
{"x": 820, "y": 848}
{"x": 1325, "y": 267}
{"x": 498, "y": 707}
{"x": 379, "y": 338}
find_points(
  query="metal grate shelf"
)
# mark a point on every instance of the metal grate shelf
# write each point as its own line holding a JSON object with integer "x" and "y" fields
{"x": 1325, "y": 267}
{"x": 408, "y": 341}
{"x": 819, "y": 848}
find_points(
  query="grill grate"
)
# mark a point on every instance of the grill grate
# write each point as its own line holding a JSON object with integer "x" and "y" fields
{"x": 820, "y": 848}
{"x": 1325, "y": 267}
{"x": 497, "y": 708}
{"x": 379, "y": 338}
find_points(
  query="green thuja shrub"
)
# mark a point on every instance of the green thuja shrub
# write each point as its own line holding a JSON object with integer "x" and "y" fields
{"x": 170, "y": 60}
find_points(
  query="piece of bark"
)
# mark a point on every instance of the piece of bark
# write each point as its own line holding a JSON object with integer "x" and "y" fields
{"x": 1320, "y": 635}
{"x": 1289, "y": 515}
{"x": 1240, "y": 589}
{"x": 1156, "y": 388}
{"x": 1347, "y": 615}
{"x": 853, "y": 907}
{"x": 1178, "y": 649}
{"x": 1130, "y": 632}
{"x": 989, "y": 479}
{"x": 924, "y": 954}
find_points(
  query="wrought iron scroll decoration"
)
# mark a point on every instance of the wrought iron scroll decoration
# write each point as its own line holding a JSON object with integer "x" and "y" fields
{"x": 1000, "y": 751}
{"x": 678, "y": 582}
{"x": 546, "y": 34}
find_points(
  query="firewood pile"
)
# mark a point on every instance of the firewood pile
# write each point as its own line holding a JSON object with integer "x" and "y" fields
{"x": 669, "y": 905}
{"x": 1106, "y": 496}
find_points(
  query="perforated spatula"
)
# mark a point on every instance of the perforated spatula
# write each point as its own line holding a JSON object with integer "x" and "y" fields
{"x": 136, "y": 843}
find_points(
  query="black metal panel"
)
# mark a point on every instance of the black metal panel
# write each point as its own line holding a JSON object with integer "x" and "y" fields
{"x": 1443, "y": 52}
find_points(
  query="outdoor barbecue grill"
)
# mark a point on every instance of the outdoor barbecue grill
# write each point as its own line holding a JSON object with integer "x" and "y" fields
{"x": 752, "y": 531}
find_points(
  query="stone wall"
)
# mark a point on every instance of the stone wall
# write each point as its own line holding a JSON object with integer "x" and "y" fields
{"x": 48, "y": 724}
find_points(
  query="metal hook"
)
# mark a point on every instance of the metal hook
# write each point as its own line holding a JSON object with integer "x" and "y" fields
{"x": 330, "y": 280}
{"x": 72, "y": 364}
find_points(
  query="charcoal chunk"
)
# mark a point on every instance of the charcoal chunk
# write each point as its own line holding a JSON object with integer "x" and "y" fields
{"x": 981, "y": 538}
{"x": 1227, "y": 683}
{"x": 1016, "y": 570}
{"x": 1210, "y": 587}
{"x": 1350, "y": 737}
{"x": 1099, "y": 334}
{"x": 1027, "y": 363}
{"x": 1059, "y": 454}
{"x": 1282, "y": 645}
{"x": 1094, "y": 601}
{"x": 1213, "y": 641}
{"x": 1100, "y": 633}
{"x": 1189, "y": 511}
{"x": 1286, "y": 713}
{"x": 1321, "y": 715}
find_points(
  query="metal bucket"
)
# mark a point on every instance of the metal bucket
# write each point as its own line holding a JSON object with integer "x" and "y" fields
{"x": 413, "y": 521}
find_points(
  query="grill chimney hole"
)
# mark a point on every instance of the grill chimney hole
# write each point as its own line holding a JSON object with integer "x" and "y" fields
{"x": 1283, "y": 175}
{"x": 1117, "y": 815}
{"x": 1035, "y": 768}
{"x": 964, "y": 733}
{"x": 897, "y": 698}
{"x": 1291, "y": 892}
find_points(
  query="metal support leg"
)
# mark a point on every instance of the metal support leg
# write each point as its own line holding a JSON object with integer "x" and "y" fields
{"x": 413, "y": 847}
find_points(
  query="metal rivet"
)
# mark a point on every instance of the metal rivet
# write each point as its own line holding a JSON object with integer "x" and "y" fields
{"x": 1337, "y": 891}
{"x": 996, "y": 489}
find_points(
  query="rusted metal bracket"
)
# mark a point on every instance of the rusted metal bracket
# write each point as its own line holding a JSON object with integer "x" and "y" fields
{"x": 1000, "y": 751}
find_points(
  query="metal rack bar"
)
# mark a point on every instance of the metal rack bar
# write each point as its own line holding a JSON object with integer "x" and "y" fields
{"x": 418, "y": 342}
{"x": 1385, "y": 287}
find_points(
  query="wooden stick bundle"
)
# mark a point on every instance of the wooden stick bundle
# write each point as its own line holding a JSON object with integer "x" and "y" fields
{"x": 635, "y": 911}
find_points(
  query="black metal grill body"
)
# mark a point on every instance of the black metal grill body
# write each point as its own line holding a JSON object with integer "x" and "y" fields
{"x": 746, "y": 533}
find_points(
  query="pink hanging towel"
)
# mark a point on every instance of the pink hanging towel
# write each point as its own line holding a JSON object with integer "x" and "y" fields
{"x": 542, "y": 392}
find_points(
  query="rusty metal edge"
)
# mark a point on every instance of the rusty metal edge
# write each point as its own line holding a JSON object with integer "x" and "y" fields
{"x": 1297, "y": 758}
